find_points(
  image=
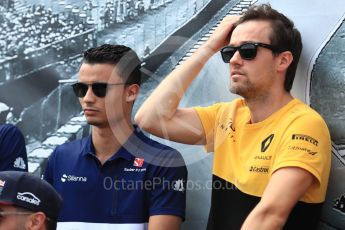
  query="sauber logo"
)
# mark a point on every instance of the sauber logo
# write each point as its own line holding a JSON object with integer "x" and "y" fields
{"x": 29, "y": 198}
{"x": 305, "y": 138}
{"x": 266, "y": 143}
{"x": 138, "y": 162}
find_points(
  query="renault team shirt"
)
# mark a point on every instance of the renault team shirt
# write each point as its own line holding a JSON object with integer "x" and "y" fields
{"x": 12, "y": 149}
{"x": 144, "y": 178}
{"x": 246, "y": 155}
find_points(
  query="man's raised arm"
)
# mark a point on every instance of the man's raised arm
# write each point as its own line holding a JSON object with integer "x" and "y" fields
{"x": 160, "y": 114}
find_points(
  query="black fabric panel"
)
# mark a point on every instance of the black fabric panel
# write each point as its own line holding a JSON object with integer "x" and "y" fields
{"x": 230, "y": 207}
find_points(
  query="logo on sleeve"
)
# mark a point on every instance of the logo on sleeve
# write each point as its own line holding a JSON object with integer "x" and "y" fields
{"x": 138, "y": 162}
{"x": 178, "y": 185}
{"x": 266, "y": 143}
{"x": 19, "y": 163}
{"x": 306, "y": 138}
{"x": 297, "y": 148}
{"x": 228, "y": 128}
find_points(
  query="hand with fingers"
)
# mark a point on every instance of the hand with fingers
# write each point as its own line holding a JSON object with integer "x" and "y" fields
{"x": 221, "y": 36}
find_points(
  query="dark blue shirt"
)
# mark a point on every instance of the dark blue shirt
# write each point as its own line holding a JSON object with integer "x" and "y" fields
{"x": 143, "y": 178}
{"x": 12, "y": 149}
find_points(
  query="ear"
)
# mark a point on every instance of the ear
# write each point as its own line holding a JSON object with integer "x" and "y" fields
{"x": 284, "y": 60}
{"x": 35, "y": 221}
{"x": 132, "y": 92}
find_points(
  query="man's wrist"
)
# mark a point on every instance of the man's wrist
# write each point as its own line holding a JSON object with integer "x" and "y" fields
{"x": 205, "y": 52}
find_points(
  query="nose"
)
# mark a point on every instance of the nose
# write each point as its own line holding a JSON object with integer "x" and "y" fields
{"x": 236, "y": 59}
{"x": 89, "y": 96}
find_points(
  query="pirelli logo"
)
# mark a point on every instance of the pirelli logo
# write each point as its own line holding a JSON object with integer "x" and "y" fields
{"x": 305, "y": 138}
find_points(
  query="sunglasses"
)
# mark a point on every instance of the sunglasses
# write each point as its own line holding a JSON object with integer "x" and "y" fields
{"x": 247, "y": 51}
{"x": 3, "y": 214}
{"x": 99, "y": 88}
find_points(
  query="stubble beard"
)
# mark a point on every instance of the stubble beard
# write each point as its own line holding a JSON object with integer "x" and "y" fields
{"x": 245, "y": 88}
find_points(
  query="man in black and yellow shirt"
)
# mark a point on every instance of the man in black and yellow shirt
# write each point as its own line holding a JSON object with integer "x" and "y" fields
{"x": 271, "y": 151}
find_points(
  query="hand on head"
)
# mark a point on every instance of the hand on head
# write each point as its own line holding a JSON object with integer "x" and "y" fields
{"x": 221, "y": 36}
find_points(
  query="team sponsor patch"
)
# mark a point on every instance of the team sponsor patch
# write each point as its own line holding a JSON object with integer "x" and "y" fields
{"x": 19, "y": 163}
{"x": 178, "y": 185}
{"x": 305, "y": 138}
{"x": 262, "y": 157}
{"x": 228, "y": 128}
{"x": 138, "y": 162}
{"x": 297, "y": 148}
{"x": 259, "y": 169}
{"x": 73, "y": 178}
{"x": 266, "y": 143}
{"x": 28, "y": 197}
{"x": 134, "y": 169}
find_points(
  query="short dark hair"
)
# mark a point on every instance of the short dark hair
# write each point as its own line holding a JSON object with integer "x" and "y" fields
{"x": 284, "y": 35}
{"x": 126, "y": 60}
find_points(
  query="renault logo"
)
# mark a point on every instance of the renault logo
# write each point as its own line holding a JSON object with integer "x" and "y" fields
{"x": 266, "y": 143}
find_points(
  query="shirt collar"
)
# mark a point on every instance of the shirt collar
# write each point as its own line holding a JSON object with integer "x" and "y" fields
{"x": 128, "y": 151}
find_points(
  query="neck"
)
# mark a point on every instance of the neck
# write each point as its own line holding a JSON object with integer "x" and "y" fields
{"x": 108, "y": 140}
{"x": 262, "y": 107}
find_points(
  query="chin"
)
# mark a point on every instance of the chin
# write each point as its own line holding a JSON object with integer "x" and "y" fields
{"x": 240, "y": 88}
{"x": 93, "y": 122}
{"x": 235, "y": 90}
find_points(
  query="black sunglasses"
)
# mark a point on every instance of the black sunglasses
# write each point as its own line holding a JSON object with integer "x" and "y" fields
{"x": 98, "y": 88}
{"x": 6, "y": 213}
{"x": 247, "y": 51}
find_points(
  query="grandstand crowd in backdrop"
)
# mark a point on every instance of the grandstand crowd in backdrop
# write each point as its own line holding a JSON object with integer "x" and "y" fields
{"x": 35, "y": 26}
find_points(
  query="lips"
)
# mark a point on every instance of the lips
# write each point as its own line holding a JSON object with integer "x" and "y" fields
{"x": 235, "y": 72}
{"x": 90, "y": 111}
{"x": 236, "y": 75}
